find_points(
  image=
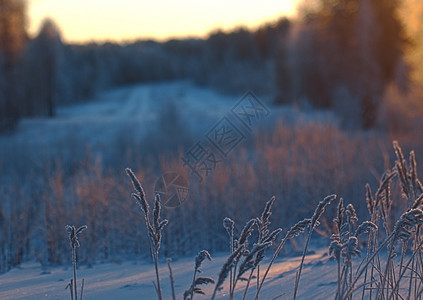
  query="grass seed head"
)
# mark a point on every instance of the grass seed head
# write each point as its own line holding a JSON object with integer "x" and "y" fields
{"x": 320, "y": 209}
{"x": 201, "y": 256}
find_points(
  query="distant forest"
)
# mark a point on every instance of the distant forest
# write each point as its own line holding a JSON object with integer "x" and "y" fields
{"x": 356, "y": 57}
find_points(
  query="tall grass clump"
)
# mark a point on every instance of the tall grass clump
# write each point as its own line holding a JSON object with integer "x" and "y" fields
{"x": 320, "y": 209}
{"x": 196, "y": 281}
{"x": 74, "y": 242}
{"x": 154, "y": 226}
{"x": 298, "y": 161}
{"x": 395, "y": 275}
{"x": 293, "y": 232}
{"x": 344, "y": 245}
{"x": 244, "y": 260}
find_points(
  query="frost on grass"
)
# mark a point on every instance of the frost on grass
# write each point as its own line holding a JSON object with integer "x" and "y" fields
{"x": 74, "y": 243}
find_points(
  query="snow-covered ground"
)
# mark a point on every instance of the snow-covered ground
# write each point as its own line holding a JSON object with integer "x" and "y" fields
{"x": 137, "y": 110}
{"x": 112, "y": 112}
{"x": 133, "y": 280}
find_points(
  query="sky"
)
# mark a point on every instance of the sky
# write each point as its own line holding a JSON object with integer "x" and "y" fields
{"x": 125, "y": 20}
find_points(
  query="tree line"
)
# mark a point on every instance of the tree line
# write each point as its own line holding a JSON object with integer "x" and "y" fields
{"x": 339, "y": 55}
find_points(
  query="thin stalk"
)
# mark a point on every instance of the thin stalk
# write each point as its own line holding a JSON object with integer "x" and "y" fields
{"x": 350, "y": 277}
{"x": 369, "y": 239}
{"x": 403, "y": 250}
{"x": 406, "y": 268}
{"x": 258, "y": 275}
{"x": 231, "y": 293}
{"x": 297, "y": 281}
{"x": 74, "y": 271}
{"x": 155, "y": 286}
{"x": 342, "y": 279}
{"x": 172, "y": 281}
{"x": 416, "y": 263}
{"x": 360, "y": 272}
{"x": 248, "y": 284}
{"x": 385, "y": 274}
{"x": 419, "y": 264}
{"x": 214, "y": 294}
{"x": 231, "y": 272}
{"x": 278, "y": 250}
{"x": 374, "y": 247}
{"x": 156, "y": 266}
{"x": 71, "y": 288}
{"x": 338, "y": 289}
{"x": 391, "y": 278}
{"x": 411, "y": 278}
{"x": 376, "y": 267}
{"x": 82, "y": 288}
{"x": 193, "y": 283}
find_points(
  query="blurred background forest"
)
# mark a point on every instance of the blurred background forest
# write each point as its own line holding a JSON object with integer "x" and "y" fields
{"x": 358, "y": 60}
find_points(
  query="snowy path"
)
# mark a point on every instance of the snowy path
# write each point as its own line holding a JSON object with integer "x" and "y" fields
{"x": 119, "y": 110}
{"x": 116, "y": 116}
{"x": 130, "y": 280}
{"x": 133, "y": 112}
